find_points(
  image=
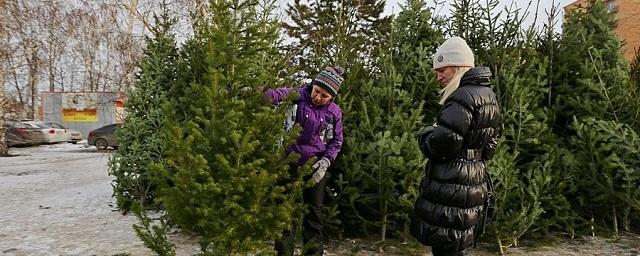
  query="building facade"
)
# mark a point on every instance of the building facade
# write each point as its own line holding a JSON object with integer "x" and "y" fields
{"x": 627, "y": 15}
{"x": 82, "y": 111}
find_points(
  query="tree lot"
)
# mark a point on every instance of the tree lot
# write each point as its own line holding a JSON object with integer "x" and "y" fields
{"x": 568, "y": 157}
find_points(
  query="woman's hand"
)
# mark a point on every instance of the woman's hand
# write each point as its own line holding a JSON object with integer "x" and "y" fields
{"x": 320, "y": 169}
{"x": 424, "y": 133}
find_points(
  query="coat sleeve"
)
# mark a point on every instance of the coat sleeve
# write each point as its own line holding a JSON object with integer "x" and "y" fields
{"x": 335, "y": 145}
{"x": 447, "y": 139}
{"x": 490, "y": 148}
{"x": 493, "y": 113}
{"x": 422, "y": 138}
{"x": 277, "y": 95}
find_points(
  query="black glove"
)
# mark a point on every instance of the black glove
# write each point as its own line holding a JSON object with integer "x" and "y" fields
{"x": 424, "y": 133}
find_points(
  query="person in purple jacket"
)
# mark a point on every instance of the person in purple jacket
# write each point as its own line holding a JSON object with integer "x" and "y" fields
{"x": 321, "y": 137}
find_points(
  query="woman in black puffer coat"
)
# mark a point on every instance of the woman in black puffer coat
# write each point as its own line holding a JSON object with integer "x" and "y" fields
{"x": 456, "y": 186}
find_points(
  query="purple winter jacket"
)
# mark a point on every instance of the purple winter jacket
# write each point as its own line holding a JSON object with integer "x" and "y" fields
{"x": 314, "y": 121}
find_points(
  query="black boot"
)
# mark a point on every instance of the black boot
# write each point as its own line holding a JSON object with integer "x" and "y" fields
{"x": 284, "y": 246}
{"x": 444, "y": 252}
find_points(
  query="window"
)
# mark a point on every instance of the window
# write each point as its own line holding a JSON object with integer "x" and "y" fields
{"x": 55, "y": 125}
{"x": 611, "y": 7}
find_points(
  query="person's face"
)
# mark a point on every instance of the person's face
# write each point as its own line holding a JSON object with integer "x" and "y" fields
{"x": 320, "y": 96}
{"x": 445, "y": 74}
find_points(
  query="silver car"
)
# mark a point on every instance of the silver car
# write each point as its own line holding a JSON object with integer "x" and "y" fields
{"x": 74, "y": 136}
{"x": 20, "y": 134}
{"x": 51, "y": 134}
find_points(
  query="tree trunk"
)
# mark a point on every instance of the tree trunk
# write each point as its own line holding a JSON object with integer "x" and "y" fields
{"x": 33, "y": 80}
{"x": 4, "y": 151}
{"x": 615, "y": 222}
{"x": 51, "y": 75}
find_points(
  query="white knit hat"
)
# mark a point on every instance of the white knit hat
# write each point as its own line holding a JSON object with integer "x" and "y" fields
{"x": 453, "y": 52}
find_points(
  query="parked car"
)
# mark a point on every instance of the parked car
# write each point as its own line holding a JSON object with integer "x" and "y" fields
{"x": 51, "y": 134}
{"x": 74, "y": 136}
{"x": 20, "y": 134}
{"x": 104, "y": 137}
{"x": 12, "y": 137}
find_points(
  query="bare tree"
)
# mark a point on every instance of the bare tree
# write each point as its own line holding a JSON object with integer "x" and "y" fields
{"x": 3, "y": 67}
{"x": 106, "y": 44}
{"x": 23, "y": 38}
{"x": 87, "y": 42}
{"x": 57, "y": 32}
{"x": 75, "y": 45}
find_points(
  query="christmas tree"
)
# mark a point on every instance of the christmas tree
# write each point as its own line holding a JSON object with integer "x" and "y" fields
{"x": 591, "y": 74}
{"x": 416, "y": 34}
{"x": 335, "y": 32}
{"x": 225, "y": 163}
{"x": 140, "y": 139}
{"x": 606, "y": 163}
{"x": 596, "y": 105}
{"x": 384, "y": 164}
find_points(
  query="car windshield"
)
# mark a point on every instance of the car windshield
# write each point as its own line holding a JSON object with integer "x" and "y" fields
{"x": 56, "y": 125}
{"x": 39, "y": 125}
{"x": 21, "y": 125}
{"x": 32, "y": 125}
{"x": 110, "y": 127}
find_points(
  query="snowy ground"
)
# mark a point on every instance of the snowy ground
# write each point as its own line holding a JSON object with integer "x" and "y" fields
{"x": 56, "y": 200}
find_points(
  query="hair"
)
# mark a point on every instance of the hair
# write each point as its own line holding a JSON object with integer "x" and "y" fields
{"x": 453, "y": 84}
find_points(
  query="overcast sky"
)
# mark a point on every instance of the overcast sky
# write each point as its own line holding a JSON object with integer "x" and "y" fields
{"x": 392, "y": 7}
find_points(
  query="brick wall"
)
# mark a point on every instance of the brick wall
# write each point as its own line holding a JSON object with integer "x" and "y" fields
{"x": 627, "y": 14}
{"x": 628, "y": 30}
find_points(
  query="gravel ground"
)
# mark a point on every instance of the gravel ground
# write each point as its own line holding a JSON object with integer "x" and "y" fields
{"x": 56, "y": 200}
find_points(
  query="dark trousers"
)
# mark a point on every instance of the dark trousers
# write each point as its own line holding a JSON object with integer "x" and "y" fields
{"x": 442, "y": 252}
{"x": 312, "y": 238}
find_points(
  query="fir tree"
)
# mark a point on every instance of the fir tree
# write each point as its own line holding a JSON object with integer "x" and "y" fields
{"x": 529, "y": 187}
{"x": 225, "y": 165}
{"x": 416, "y": 33}
{"x": 141, "y": 141}
{"x": 383, "y": 165}
{"x": 591, "y": 74}
{"x": 607, "y": 162}
{"x": 192, "y": 66}
{"x": 335, "y": 32}
{"x": 593, "y": 89}
{"x": 467, "y": 19}
{"x": 153, "y": 236}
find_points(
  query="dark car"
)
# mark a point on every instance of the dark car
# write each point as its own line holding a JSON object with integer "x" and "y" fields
{"x": 20, "y": 134}
{"x": 104, "y": 136}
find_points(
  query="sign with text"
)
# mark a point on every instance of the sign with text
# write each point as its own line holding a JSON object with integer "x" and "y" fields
{"x": 80, "y": 107}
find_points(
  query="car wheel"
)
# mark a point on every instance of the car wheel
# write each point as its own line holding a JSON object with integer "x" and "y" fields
{"x": 101, "y": 144}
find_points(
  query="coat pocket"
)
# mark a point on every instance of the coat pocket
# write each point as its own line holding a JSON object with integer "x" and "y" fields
{"x": 326, "y": 129}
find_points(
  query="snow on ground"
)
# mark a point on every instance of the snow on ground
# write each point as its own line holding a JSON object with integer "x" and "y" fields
{"x": 56, "y": 200}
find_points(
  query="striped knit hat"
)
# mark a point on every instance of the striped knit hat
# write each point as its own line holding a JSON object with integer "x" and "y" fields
{"x": 330, "y": 79}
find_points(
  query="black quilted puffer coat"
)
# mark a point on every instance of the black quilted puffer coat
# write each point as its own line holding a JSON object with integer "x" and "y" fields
{"x": 453, "y": 192}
